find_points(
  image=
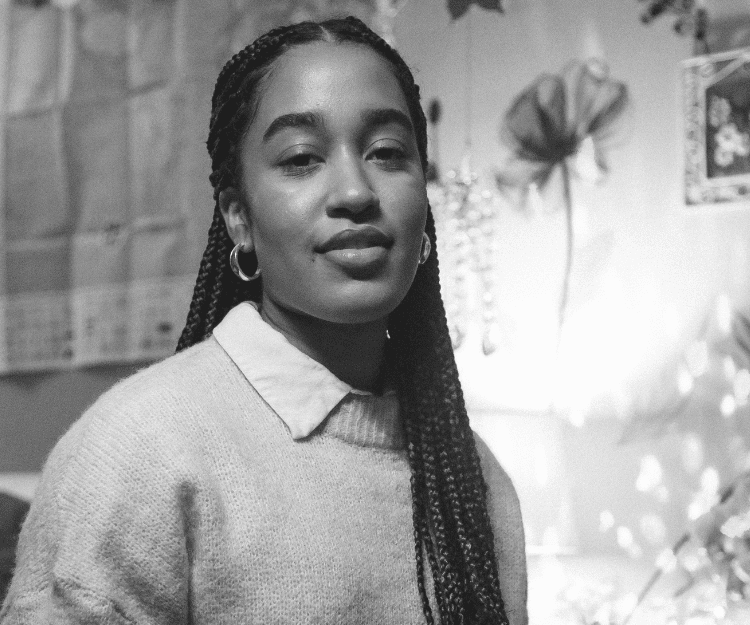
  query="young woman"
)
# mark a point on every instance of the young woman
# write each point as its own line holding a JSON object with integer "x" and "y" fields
{"x": 306, "y": 456}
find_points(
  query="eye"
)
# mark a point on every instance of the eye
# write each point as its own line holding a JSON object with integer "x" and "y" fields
{"x": 300, "y": 163}
{"x": 388, "y": 155}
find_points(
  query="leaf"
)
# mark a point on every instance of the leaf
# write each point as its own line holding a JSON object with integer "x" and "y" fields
{"x": 458, "y": 8}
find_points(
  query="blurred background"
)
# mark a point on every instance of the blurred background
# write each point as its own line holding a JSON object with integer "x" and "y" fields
{"x": 590, "y": 169}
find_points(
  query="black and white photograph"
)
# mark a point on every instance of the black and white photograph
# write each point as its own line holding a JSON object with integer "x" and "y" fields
{"x": 375, "y": 312}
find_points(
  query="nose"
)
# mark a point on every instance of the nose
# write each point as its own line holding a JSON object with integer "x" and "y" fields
{"x": 351, "y": 191}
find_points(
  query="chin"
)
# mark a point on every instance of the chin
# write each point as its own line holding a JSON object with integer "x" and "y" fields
{"x": 363, "y": 307}
{"x": 359, "y": 313}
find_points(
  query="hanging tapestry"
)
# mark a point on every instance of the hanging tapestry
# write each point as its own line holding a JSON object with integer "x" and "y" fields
{"x": 104, "y": 195}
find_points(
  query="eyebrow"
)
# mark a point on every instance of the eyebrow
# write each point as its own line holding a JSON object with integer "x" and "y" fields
{"x": 313, "y": 120}
{"x": 384, "y": 116}
{"x": 308, "y": 119}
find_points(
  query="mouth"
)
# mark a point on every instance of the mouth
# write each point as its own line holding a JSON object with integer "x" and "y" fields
{"x": 360, "y": 252}
{"x": 356, "y": 239}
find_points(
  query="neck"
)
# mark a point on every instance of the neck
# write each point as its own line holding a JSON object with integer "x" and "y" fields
{"x": 354, "y": 353}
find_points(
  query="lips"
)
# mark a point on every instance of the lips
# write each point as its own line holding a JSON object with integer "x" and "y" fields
{"x": 357, "y": 239}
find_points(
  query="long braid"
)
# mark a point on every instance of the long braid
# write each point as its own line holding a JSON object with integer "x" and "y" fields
{"x": 426, "y": 361}
{"x": 205, "y": 291}
{"x": 451, "y": 523}
{"x": 467, "y": 511}
{"x": 422, "y": 538}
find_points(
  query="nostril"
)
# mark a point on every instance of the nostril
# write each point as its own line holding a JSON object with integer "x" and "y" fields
{"x": 355, "y": 201}
{"x": 357, "y": 213}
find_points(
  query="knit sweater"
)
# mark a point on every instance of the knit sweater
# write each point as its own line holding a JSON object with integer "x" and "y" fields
{"x": 181, "y": 497}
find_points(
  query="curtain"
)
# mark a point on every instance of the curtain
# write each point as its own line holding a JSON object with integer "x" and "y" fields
{"x": 104, "y": 195}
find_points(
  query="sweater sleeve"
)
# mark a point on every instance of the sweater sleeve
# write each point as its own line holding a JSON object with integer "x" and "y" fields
{"x": 105, "y": 540}
{"x": 505, "y": 513}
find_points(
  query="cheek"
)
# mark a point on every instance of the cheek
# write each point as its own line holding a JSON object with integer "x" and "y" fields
{"x": 414, "y": 213}
{"x": 279, "y": 221}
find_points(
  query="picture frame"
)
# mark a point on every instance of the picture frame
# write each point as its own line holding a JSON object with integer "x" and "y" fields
{"x": 716, "y": 102}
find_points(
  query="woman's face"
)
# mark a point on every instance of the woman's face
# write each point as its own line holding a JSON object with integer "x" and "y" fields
{"x": 333, "y": 194}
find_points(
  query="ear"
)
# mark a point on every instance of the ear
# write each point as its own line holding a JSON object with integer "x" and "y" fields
{"x": 236, "y": 218}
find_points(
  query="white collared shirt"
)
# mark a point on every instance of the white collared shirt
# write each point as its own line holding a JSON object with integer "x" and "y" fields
{"x": 298, "y": 388}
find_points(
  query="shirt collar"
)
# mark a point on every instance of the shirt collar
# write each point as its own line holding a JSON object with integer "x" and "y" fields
{"x": 299, "y": 389}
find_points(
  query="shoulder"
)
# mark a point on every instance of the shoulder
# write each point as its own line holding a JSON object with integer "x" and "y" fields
{"x": 510, "y": 545}
{"x": 117, "y": 492}
{"x": 145, "y": 419}
{"x": 185, "y": 373}
{"x": 133, "y": 449}
{"x": 163, "y": 392}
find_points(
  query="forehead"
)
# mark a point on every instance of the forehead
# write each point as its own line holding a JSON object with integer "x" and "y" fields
{"x": 333, "y": 78}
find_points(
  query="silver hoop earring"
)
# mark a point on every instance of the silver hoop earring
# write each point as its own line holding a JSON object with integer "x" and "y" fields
{"x": 234, "y": 263}
{"x": 424, "y": 252}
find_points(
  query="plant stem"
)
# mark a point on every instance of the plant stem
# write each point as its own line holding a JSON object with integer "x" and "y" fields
{"x": 568, "y": 199}
{"x": 655, "y": 578}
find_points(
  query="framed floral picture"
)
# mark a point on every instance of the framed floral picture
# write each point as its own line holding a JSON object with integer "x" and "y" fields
{"x": 716, "y": 90}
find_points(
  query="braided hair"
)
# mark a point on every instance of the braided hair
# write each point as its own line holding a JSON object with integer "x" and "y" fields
{"x": 451, "y": 523}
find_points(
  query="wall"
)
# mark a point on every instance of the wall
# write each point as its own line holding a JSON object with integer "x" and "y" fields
{"x": 663, "y": 256}
{"x": 666, "y": 264}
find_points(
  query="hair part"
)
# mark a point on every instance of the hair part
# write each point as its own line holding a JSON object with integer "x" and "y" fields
{"x": 451, "y": 523}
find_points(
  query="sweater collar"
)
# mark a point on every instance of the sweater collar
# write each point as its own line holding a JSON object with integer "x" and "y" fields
{"x": 299, "y": 389}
